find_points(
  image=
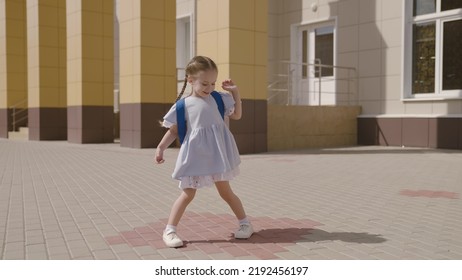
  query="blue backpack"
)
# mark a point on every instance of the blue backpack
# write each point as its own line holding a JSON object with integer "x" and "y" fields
{"x": 180, "y": 114}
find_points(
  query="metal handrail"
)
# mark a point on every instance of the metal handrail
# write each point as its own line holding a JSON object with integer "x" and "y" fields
{"x": 16, "y": 112}
{"x": 318, "y": 66}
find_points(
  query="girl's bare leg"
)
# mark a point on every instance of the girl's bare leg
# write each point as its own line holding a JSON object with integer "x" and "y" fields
{"x": 225, "y": 191}
{"x": 179, "y": 206}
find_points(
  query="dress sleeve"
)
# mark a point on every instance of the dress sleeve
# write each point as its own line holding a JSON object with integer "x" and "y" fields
{"x": 229, "y": 102}
{"x": 170, "y": 117}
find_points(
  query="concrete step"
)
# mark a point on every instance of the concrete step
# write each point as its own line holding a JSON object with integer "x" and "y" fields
{"x": 22, "y": 134}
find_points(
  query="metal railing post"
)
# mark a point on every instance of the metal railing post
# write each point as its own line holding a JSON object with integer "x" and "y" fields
{"x": 292, "y": 80}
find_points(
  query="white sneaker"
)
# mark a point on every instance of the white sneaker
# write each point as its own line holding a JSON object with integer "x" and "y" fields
{"x": 244, "y": 231}
{"x": 172, "y": 240}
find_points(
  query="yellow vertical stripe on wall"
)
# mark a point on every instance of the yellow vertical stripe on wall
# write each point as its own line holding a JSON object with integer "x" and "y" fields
{"x": 13, "y": 55}
{"x": 147, "y": 51}
{"x": 90, "y": 78}
{"x": 46, "y": 33}
{"x": 234, "y": 34}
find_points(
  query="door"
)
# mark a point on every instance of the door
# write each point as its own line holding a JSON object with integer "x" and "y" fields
{"x": 184, "y": 48}
{"x": 315, "y": 74}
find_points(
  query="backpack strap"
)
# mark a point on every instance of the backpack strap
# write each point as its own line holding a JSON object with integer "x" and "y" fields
{"x": 180, "y": 119}
{"x": 220, "y": 103}
{"x": 180, "y": 114}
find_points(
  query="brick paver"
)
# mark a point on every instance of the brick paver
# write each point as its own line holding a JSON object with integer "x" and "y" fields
{"x": 67, "y": 201}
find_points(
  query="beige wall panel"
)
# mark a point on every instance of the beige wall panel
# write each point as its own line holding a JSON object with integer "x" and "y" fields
{"x": 242, "y": 46}
{"x": 74, "y": 75}
{"x": 49, "y": 77}
{"x": 223, "y": 15}
{"x": 207, "y": 16}
{"x": 126, "y": 89}
{"x": 394, "y": 107}
{"x": 207, "y": 44}
{"x": 152, "y": 61}
{"x": 92, "y": 70}
{"x": 74, "y": 94}
{"x": 261, "y": 48}
{"x": 223, "y": 49}
{"x": 17, "y": 82}
{"x": 92, "y": 47}
{"x": 370, "y": 88}
{"x": 15, "y": 46}
{"x": 13, "y": 65}
{"x": 416, "y": 108}
{"x": 93, "y": 94}
{"x": 246, "y": 11}
{"x": 170, "y": 68}
{"x": 74, "y": 49}
{"x": 156, "y": 27}
{"x": 369, "y": 10}
{"x": 152, "y": 9}
{"x": 170, "y": 92}
{"x": 390, "y": 37}
{"x": 49, "y": 57}
{"x": 147, "y": 49}
{"x": 126, "y": 60}
{"x": 348, "y": 39}
{"x": 391, "y": 87}
{"x": 261, "y": 80}
{"x": 92, "y": 23}
{"x": 18, "y": 65}
{"x": 370, "y": 38}
{"x": 48, "y": 15}
{"x": 73, "y": 6}
{"x": 391, "y": 59}
{"x": 391, "y": 9}
{"x": 90, "y": 57}
{"x": 261, "y": 15}
{"x": 153, "y": 87}
{"x": 127, "y": 31}
{"x": 33, "y": 98}
{"x": 348, "y": 11}
{"x": 126, "y": 8}
{"x": 244, "y": 77}
{"x": 370, "y": 63}
{"x": 170, "y": 35}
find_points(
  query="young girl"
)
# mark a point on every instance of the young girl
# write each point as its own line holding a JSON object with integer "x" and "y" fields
{"x": 208, "y": 154}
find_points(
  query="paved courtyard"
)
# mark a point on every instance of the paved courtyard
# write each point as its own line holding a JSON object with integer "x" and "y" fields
{"x": 101, "y": 201}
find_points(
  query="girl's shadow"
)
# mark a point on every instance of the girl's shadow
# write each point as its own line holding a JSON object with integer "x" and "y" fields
{"x": 294, "y": 235}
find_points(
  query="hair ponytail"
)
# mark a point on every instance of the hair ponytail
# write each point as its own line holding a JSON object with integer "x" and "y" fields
{"x": 183, "y": 89}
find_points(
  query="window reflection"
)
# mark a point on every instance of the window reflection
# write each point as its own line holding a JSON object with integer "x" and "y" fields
{"x": 423, "y": 58}
{"x": 452, "y": 55}
{"x": 450, "y": 4}
{"x": 422, "y": 7}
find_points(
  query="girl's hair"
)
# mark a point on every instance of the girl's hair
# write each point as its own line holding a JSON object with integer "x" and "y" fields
{"x": 197, "y": 64}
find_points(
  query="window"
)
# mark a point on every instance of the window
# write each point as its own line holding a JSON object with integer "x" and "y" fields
{"x": 433, "y": 49}
{"x": 183, "y": 44}
{"x": 324, "y": 50}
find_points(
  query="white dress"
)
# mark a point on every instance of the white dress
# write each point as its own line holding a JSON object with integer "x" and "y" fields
{"x": 209, "y": 152}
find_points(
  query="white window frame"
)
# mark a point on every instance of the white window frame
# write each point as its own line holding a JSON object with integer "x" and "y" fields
{"x": 181, "y": 20}
{"x": 439, "y": 18}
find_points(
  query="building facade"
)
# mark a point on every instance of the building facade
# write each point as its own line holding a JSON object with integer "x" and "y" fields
{"x": 72, "y": 66}
{"x": 407, "y": 60}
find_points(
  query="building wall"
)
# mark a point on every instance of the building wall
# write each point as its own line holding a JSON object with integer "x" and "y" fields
{"x": 369, "y": 37}
{"x": 13, "y": 63}
{"x": 233, "y": 33}
{"x": 302, "y": 127}
{"x": 47, "y": 63}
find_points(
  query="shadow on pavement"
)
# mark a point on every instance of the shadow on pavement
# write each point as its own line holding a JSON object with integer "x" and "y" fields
{"x": 289, "y": 236}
